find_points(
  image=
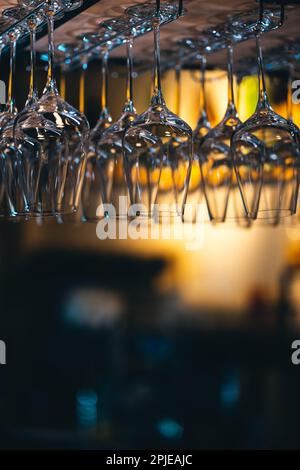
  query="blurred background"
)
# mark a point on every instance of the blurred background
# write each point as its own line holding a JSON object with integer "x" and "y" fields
{"x": 122, "y": 344}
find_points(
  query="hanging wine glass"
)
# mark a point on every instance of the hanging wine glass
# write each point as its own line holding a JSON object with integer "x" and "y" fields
{"x": 52, "y": 137}
{"x": 105, "y": 180}
{"x": 195, "y": 192}
{"x": 215, "y": 155}
{"x": 151, "y": 158}
{"x": 91, "y": 193}
{"x": 194, "y": 210}
{"x": 197, "y": 48}
{"x": 67, "y": 51}
{"x": 14, "y": 201}
{"x": 266, "y": 158}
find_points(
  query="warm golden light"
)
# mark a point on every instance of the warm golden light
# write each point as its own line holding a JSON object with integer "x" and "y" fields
{"x": 62, "y": 86}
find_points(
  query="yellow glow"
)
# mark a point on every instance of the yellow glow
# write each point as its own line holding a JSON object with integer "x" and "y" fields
{"x": 118, "y": 170}
{"x": 246, "y": 173}
{"x": 189, "y": 106}
{"x": 143, "y": 176}
{"x": 247, "y": 97}
{"x": 216, "y": 176}
{"x": 284, "y": 175}
{"x": 293, "y": 233}
{"x": 195, "y": 178}
{"x": 62, "y": 86}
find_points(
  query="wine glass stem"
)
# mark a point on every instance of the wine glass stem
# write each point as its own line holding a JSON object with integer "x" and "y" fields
{"x": 12, "y": 62}
{"x": 32, "y": 95}
{"x": 157, "y": 95}
{"x": 202, "y": 86}
{"x": 51, "y": 85}
{"x": 129, "y": 91}
{"x": 263, "y": 98}
{"x": 230, "y": 78}
{"x": 104, "y": 82}
{"x": 290, "y": 93}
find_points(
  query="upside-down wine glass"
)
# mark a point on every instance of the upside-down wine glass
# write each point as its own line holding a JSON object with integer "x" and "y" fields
{"x": 109, "y": 164}
{"x": 15, "y": 200}
{"x": 194, "y": 189}
{"x": 91, "y": 197}
{"x": 52, "y": 137}
{"x": 266, "y": 158}
{"x": 67, "y": 56}
{"x": 215, "y": 155}
{"x": 156, "y": 171}
{"x": 196, "y": 48}
{"x": 194, "y": 210}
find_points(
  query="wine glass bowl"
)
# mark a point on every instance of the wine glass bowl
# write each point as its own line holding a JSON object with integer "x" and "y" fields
{"x": 160, "y": 176}
{"x": 266, "y": 158}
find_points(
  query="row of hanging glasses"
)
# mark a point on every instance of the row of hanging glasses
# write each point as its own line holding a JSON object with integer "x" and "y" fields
{"x": 53, "y": 165}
